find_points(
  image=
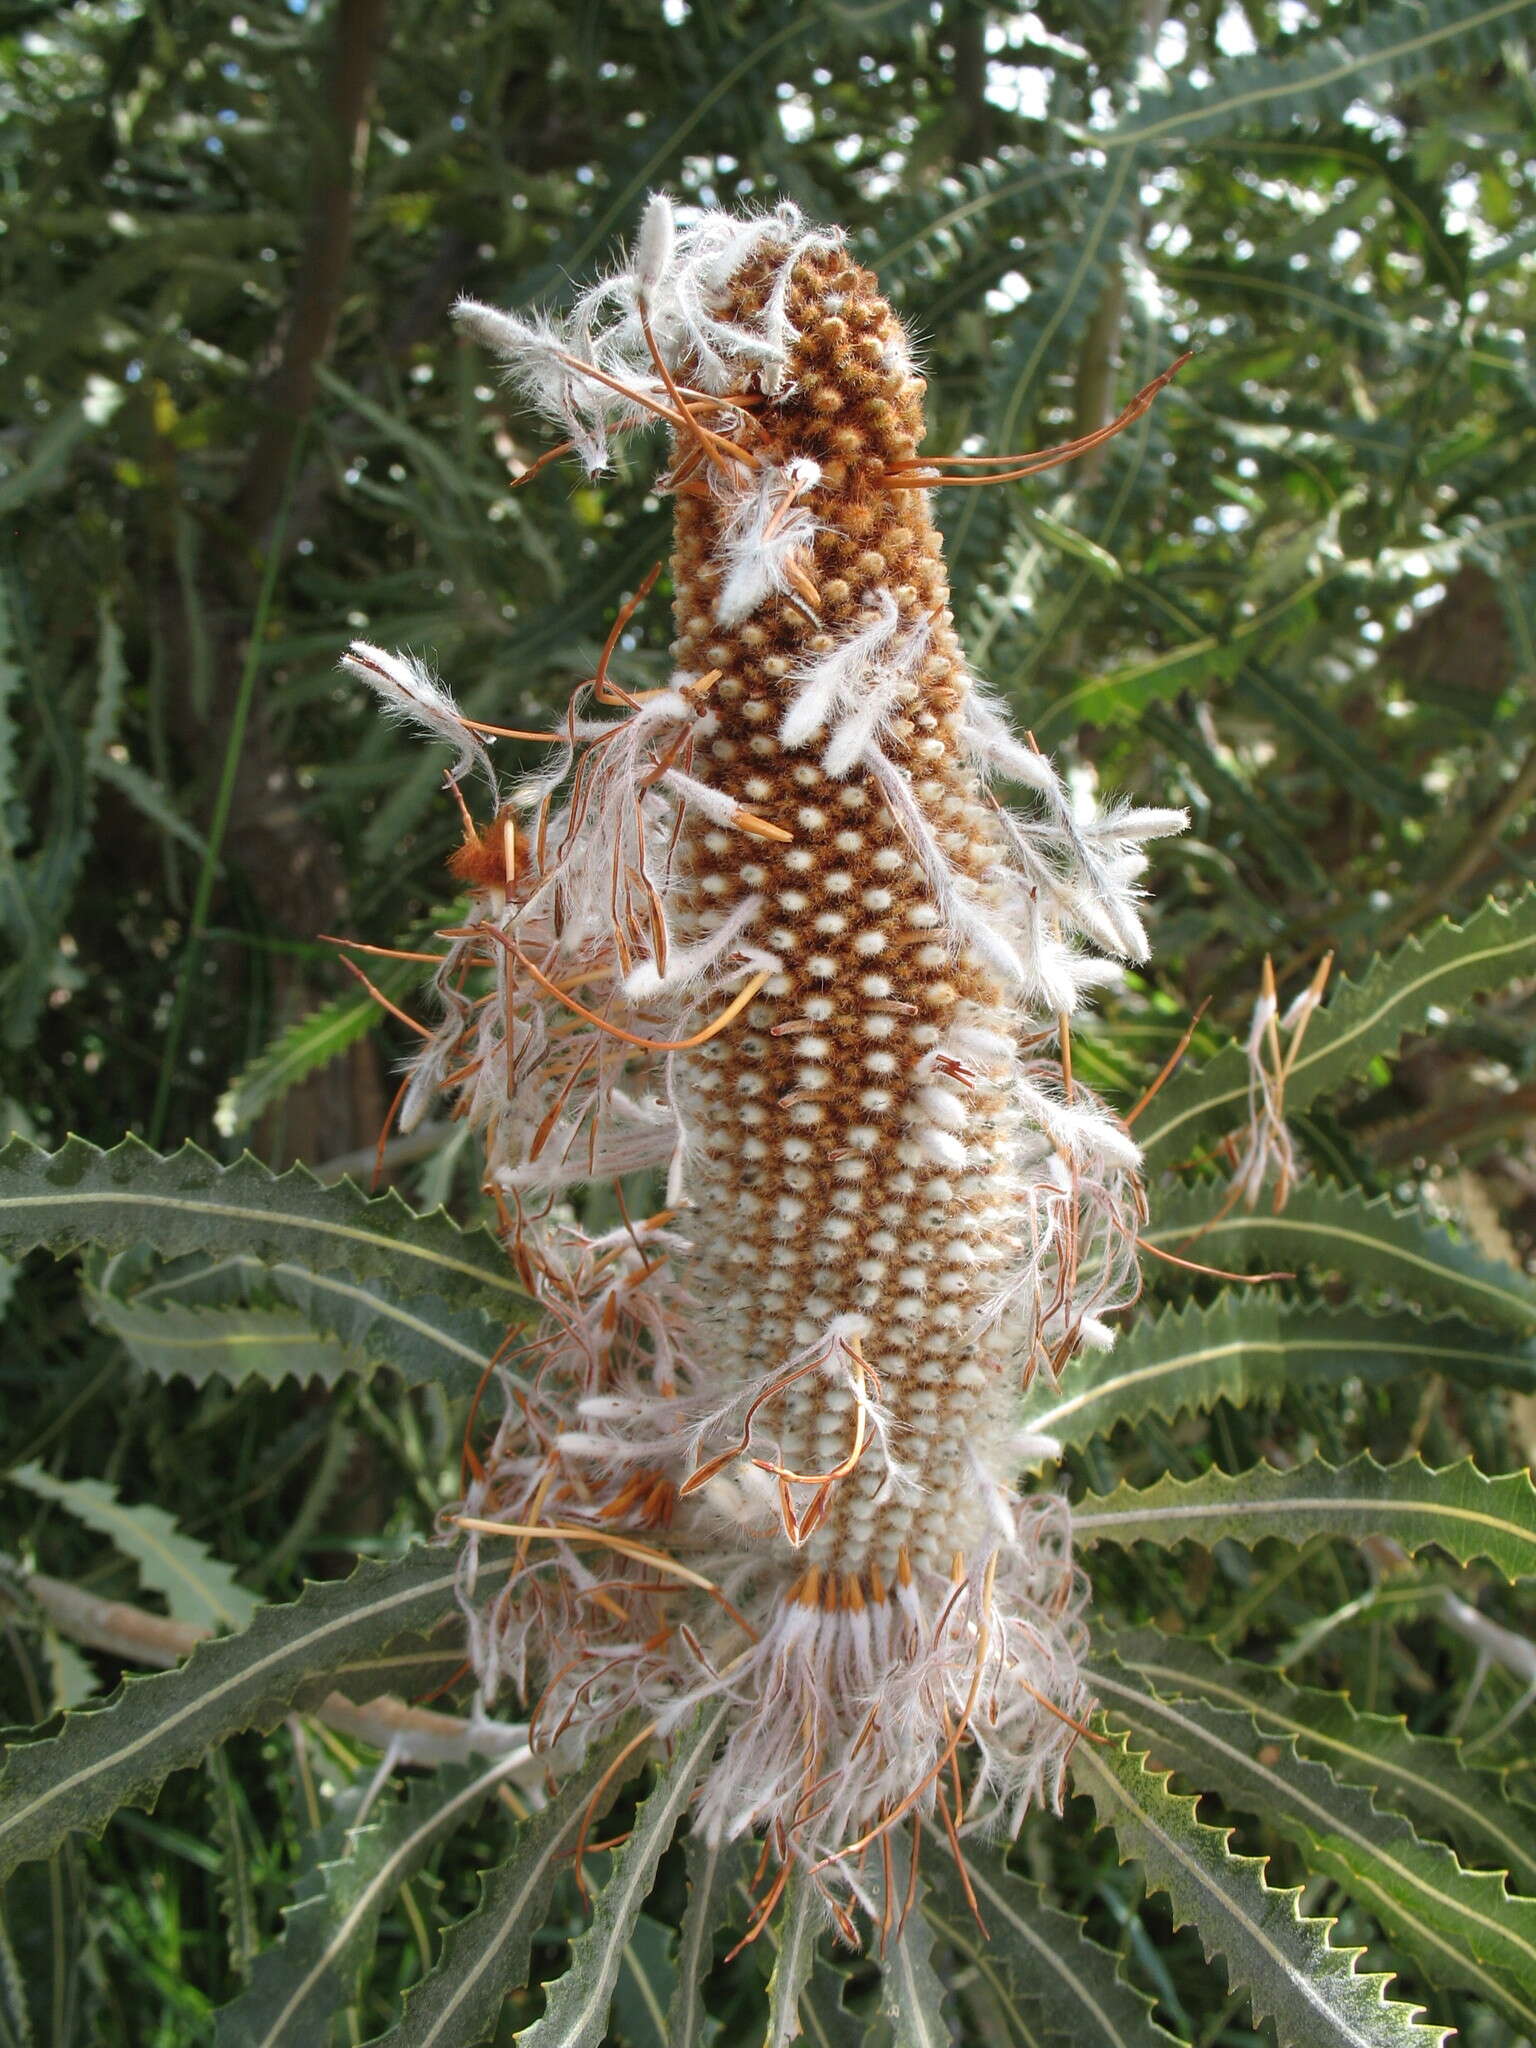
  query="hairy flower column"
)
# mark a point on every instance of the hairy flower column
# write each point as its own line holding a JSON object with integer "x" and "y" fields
{"x": 860, "y": 1146}
{"x": 779, "y": 932}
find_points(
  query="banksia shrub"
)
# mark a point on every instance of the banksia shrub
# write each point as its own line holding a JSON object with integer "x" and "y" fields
{"x": 772, "y": 931}
{"x": 719, "y": 1460}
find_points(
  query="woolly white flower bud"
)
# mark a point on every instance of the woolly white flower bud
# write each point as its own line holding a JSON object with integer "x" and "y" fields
{"x": 411, "y": 692}
{"x": 653, "y": 246}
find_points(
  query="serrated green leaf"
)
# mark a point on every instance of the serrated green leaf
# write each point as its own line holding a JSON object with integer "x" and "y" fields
{"x": 237, "y": 1894}
{"x": 1440, "y": 970}
{"x": 714, "y": 1870}
{"x": 485, "y": 1955}
{"x": 111, "y": 681}
{"x": 148, "y": 796}
{"x": 911, "y": 1993}
{"x": 1247, "y": 1348}
{"x": 577, "y": 2009}
{"x": 1461, "y": 1926}
{"x": 15, "y": 2020}
{"x": 1125, "y": 693}
{"x": 1043, "y": 1956}
{"x": 1289, "y": 1970}
{"x": 826, "y": 2020}
{"x": 299, "y": 1050}
{"x": 352, "y": 1325}
{"x": 121, "y": 1753}
{"x": 796, "y": 1926}
{"x": 198, "y": 1588}
{"x": 70, "y": 1677}
{"x": 50, "y": 452}
{"x": 306, "y": 1977}
{"x": 911, "y": 1996}
{"x": 1421, "y": 1776}
{"x": 187, "y": 1202}
{"x": 233, "y": 1344}
{"x": 1457, "y": 1508}
{"x": 1330, "y": 1229}
{"x": 1294, "y": 704}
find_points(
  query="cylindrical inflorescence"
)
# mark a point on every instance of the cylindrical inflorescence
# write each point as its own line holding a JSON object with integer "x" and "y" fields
{"x": 770, "y": 928}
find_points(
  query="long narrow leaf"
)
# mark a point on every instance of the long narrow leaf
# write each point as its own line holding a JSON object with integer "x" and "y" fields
{"x": 1285, "y": 1964}
{"x": 1010, "y": 2018}
{"x": 1422, "y": 1776}
{"x": 187, "y": 1202}
{"x": 1337, "y": 1230}
{"x": 197, "y": 1586}
{"x": 485, "y": 1955}
{"x": 1457, "y": 1508}
{"x": 298, "y": 1051}
{"x": 577, "y": 2012}
{"x": 1462, "y": 1926}
{"x": 1251, "y": 1348}
{"x": 234, "y": 1344}
{"x": 911, "y": 1995}
{"x": 300, "y": 1324}
{"x": 1045, "y": 1956}
{"x": 120, "y": 1754}
{"x": 1429, "y": 978}
{"x": 305, "y": 1978}
{"x": 797, "y": 1924}
{"x": 714, "y": 1871}
{"x": 647, "y": 1979}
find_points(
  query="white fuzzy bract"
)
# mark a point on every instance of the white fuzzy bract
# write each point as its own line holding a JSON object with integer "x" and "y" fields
{"x": 411, "y": 693}
{"x": 678, "y": 275}
{"x": 766, "y": 529}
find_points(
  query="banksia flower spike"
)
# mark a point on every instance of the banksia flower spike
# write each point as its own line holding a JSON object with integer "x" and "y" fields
{"x": 771, "y": 930}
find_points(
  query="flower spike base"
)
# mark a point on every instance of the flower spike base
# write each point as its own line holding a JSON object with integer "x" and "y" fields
{"x": 769, "y": 931}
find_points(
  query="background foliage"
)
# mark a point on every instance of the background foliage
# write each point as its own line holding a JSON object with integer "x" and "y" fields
{"x": 1299, "y": 596}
